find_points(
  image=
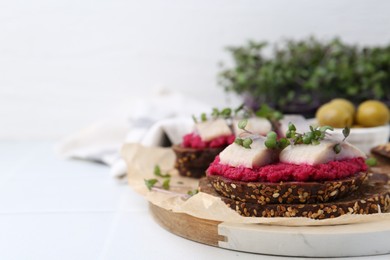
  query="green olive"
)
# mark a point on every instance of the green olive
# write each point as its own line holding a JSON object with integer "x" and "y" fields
{"x": 345, "y": 104}
{"x": 372, "y": 113}
{"x": 335, "y": 116}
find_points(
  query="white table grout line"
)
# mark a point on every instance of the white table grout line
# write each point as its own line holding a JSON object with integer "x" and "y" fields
{"x": 113, "y": 227}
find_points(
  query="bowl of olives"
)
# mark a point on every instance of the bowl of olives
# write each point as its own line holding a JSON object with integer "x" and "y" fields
{"x": 369, "y": 122}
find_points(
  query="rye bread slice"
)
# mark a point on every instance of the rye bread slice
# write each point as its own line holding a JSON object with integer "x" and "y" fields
{"x": 369, "y": 199}
{"x": 383, "y": 150}
{"x": 286, "y": 192}
{"x": 193, "y": 162}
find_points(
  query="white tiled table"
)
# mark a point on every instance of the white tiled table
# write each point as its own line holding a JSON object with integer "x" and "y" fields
{"x": 56, "y": 209}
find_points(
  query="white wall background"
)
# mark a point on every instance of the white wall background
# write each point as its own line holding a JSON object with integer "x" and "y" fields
{"x": 66, "y": 63}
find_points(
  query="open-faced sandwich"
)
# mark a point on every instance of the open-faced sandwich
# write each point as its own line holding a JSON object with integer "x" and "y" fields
{"x": 214, "y": 133}
{"x": 309, "y": 175}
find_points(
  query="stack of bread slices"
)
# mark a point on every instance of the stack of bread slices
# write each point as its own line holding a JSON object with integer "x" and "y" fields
{"x": 294, "y": 182}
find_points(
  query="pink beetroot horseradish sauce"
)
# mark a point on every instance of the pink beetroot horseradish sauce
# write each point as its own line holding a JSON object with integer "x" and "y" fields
{"x": 193, "y": 140}
{"x": 278, "y": 172}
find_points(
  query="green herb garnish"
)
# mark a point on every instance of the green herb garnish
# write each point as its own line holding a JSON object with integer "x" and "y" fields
{"x": 150, "y": 183}
{"x": 203, "y": 117}
{"x": 165, "y": 184}
{"x": 244, "y": 142}
{"x": 239, "y": 141}
{"x": 226, "y": 112}
{"x": 238, "y": 109}
{"x": 215, "y": 112}
{"x": 157, "y": 172}
{"x": 337, "y": 148}
{"x": 242, "y": 124}
{"x": 346, "y": 132}
{"x": 192, "y": 192}
{"x": 272, "y": 141}
{"x": 269, "y": 113}
{"x": 371, "y": 161}
{"x": 313, "y": 137}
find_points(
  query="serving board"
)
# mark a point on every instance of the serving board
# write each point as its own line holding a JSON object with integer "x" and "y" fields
{"x": 371, "y": 238}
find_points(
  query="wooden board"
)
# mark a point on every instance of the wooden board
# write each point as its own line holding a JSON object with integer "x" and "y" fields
{"x": 315, "y": 241}
{"x": 200, "y": 230}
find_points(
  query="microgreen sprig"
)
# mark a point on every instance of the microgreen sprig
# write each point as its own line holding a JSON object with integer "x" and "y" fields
{"x": 164, "y": 184}
{"x": 242, "y": 124}
{"x": 337, "y": 147}
{"x": 239, "y": 108}
{"x": 346, "y": 132}
{"x": 157, "y": 172}
{"x": 244, "y": 142}
{"x": 272, "y": 141}
{"x": 269, "y": 113}
{"x": 371, "y": 161}
{"x": 314, "y": 136}
{"x": 203, "y": 117}
{"x": 150, "y": 183}
{"x": 192, "y": 192}
{"x": 245, "y": 112}
{"x": 225, "y": 113}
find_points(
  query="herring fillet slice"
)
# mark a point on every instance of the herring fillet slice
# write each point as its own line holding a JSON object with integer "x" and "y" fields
{"x": 258, "y": 155}
{"x": 255, "y": 125}
{"x": 213, "y": 128}
{"x": 318, "y": 154}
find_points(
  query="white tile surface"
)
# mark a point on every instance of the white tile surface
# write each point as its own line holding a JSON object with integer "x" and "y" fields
{"x": 53, "y": 235}
{"x": 56, "y": 209}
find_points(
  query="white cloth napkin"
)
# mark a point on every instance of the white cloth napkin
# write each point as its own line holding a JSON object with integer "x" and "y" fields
{"x": 163, "y": 133}
{"x": 145, "y": 124}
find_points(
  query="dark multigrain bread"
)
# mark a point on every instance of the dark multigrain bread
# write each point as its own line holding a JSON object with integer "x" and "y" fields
{"x": 193, "y": 162}
{"x": 370, "y": 198}
{"x": 286, "y": 192}
{"x": 383, "y": 150}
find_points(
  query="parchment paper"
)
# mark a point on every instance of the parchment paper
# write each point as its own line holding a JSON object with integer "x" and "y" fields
{"x": 140, "y": 166}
